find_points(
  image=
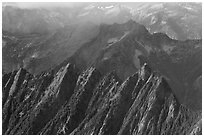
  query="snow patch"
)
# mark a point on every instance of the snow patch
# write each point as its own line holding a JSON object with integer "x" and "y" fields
{"x": 114, "y": 11}
{"x": 190, "y": 8}
{"x": 35, "y": 55}
{"x": 28, "y": 45}
{"x": 108, "y": 7}
{"x": 89, "y": 7}
{"x": 125, "y": 34}
{"x": 153, "y": 20}
{"x": 112, "y": 41}
{"x": 157, "y": 6}
{"x": 83, "y": 14}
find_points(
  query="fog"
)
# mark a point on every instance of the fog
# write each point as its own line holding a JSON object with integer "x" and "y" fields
{"x": 30, "y": 5}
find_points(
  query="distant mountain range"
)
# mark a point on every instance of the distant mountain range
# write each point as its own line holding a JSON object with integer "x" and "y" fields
{"x": 178, "y": 20}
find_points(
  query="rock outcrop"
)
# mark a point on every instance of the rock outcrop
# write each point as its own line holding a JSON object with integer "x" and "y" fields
{"x": 62, "y": 101}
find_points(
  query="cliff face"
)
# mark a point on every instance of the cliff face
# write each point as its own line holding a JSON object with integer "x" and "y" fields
{"x": 62, "y": 101}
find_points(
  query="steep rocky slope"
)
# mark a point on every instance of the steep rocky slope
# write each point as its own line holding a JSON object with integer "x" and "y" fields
{"x": 64, "y": 101}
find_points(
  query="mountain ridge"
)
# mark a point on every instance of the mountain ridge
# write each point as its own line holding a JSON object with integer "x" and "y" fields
{"x": 123, "y": 48}
{"x": 91, "y": 97}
